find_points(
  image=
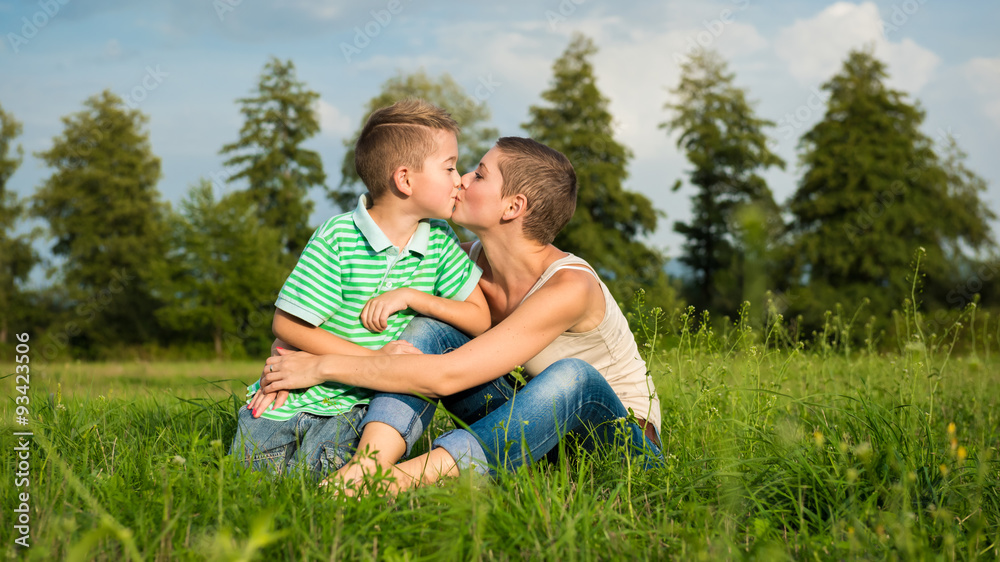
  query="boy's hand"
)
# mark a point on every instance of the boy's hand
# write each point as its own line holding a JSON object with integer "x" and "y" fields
{"x": 375, "y": 315}
{"x": 399, "y": 347}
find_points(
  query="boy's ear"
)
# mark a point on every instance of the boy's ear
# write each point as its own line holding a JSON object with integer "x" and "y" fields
{"x": 516, "y": 207}
{"x": 401, "y": 179}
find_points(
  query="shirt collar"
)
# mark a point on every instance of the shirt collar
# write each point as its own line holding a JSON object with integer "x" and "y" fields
{"x": 379, "y": 241}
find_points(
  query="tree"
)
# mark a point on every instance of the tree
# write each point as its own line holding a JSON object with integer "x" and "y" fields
{"x": 733, "y": 212}
{"x": 223, "y": 270}
{"x": 873, "y": 192}
{"x": 443, "y": 92}
{"x": 17, "y": 257}
{"x": 279, "y": 116}
{"x": 104, "y": 212}
{"x": 609, "y": 220}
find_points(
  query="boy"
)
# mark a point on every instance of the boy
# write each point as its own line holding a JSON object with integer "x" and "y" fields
{"x": 359, "y": 281}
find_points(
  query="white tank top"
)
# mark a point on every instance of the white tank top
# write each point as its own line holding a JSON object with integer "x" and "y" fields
{"x": 610, "y": 347}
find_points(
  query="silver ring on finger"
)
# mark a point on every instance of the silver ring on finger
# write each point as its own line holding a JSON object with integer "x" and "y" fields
{"x": 271, "y": 367}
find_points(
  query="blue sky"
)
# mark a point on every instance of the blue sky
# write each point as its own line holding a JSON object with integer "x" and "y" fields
{"x": 184, "y": 63}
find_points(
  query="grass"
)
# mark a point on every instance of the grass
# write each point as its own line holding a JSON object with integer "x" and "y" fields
{"x": 772, "y": 452}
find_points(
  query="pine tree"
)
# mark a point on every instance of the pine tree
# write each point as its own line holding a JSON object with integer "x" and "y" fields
{"x": 222, "y": 272}
{"x": 279, "y": 116}
{"x": 104, "y": 212}
{"x": 734, "y": 216}
{"x": 17, "y": 257}
{"x": 609, "y": 220}
{"x": 873, "y": 193}
{"x": 470, "y": 114}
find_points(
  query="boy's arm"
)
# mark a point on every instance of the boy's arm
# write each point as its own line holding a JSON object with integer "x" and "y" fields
{"x": 313, "y": 339}
{"x": 471, "y": 316}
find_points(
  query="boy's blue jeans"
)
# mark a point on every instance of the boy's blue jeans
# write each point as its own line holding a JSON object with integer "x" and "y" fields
{"x": 318, "y": 444}
{"x": 508, "y": 429}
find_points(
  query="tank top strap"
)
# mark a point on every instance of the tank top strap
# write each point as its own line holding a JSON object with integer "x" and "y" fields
{"x": 569, "y": 262}
{"x": 475, "y": 250}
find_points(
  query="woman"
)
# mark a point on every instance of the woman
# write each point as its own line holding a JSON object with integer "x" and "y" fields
{"x": 550, "y": 314}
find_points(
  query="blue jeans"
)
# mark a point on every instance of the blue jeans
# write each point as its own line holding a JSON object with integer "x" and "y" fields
{"x": 410, "y": 415}
{"x": 323, "y": 444}
{"x": 318, "y": 444}
{"x": 507, "y": 430}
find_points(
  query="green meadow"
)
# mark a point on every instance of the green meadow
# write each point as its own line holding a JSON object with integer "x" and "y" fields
{"x": 773, "y": 450}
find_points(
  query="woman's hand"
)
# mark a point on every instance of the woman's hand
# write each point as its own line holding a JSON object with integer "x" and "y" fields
{"x": 262, "y": 400}
{"x": 375, "y": 315}
{"x": 399, "y": 347}
{"x": 291, "y": 370}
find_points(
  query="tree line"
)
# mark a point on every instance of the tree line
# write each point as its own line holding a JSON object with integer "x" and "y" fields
{"x": 132, "y": 274}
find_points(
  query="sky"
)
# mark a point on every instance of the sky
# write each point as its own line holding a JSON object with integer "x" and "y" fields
{"x": 185, "y": 63}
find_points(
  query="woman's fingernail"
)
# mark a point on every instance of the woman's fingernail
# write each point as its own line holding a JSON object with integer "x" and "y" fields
{"x": 255, "y": 413}
{"x": 281, "y": 348}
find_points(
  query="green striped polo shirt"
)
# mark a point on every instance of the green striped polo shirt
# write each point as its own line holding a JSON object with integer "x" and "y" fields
{"x": 349, "y": 260}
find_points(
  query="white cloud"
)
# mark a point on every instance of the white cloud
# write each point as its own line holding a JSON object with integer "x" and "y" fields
{"x": 332, "y": 122}
{"x": 815, "y": 48}
{"x": 983, "y": 76}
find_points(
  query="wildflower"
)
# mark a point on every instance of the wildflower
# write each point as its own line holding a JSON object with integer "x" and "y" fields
{"x": 216, "y": 443}
{"x": 951, "y": 429}
{"x": 818, "y": 437}
{"x": 852, "y": 475}
{"x": 944, "y": 470}
{"x": 178, "y": 460}
{"x": 962, "y": 454}
{"x": 863, "y": 450}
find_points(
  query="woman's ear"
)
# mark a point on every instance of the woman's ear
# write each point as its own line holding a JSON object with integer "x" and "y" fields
{"x": 400, "y": 178}
{"x": 517, "y": 206}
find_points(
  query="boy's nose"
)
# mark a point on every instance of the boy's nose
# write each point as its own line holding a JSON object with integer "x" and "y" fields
{"x": 467, "y": 179}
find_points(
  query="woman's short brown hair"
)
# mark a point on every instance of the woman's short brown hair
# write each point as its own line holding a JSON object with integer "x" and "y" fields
{"x": 546, "y": 179}
{"x": 398, "y": 135}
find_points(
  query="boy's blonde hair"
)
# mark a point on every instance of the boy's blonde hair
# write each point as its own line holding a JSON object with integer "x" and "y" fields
{"x": 398, "y": 135}
{"x": 547, "y": 180}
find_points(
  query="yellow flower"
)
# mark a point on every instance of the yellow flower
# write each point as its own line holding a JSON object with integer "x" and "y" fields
{"x": 951, "y": 429}
{"x": 818, "y": 436}
{"x": 944, "y": 470}
{"x": 962, "y": 454}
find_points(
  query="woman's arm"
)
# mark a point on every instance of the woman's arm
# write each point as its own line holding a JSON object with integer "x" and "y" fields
{"x": 555, "y": 308}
